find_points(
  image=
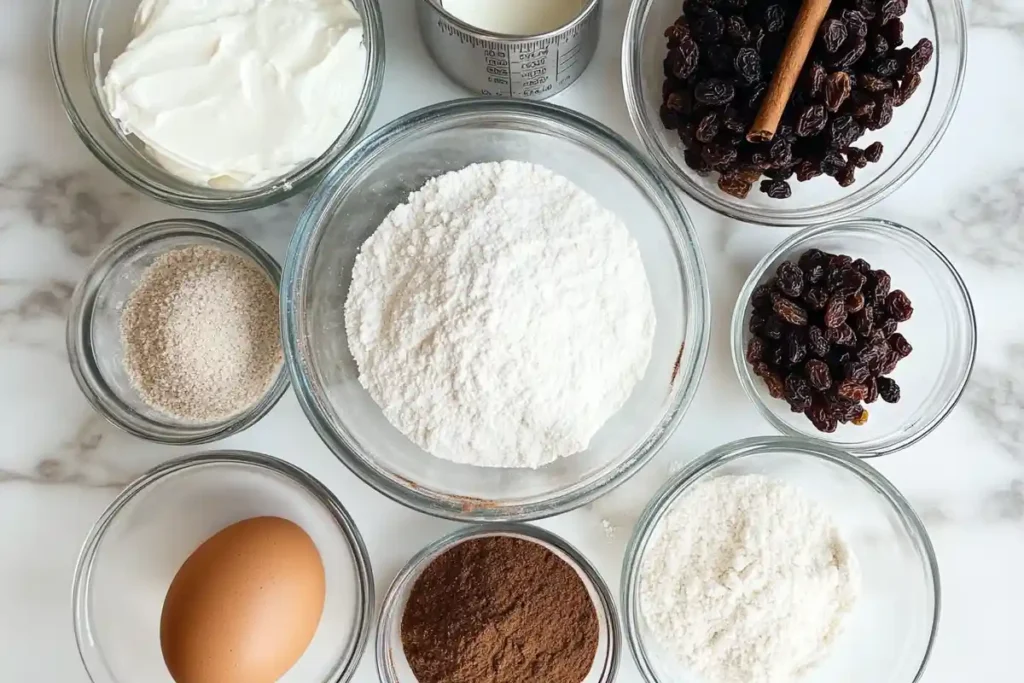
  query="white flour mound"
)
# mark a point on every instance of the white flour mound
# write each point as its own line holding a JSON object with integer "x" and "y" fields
{"x": 747, "y": 581}
{"x": 500, "y": 316}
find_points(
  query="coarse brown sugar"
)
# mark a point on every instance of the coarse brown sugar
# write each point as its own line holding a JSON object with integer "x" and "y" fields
{"x": 200, "y": 334}
{"x": 499, "y": 609}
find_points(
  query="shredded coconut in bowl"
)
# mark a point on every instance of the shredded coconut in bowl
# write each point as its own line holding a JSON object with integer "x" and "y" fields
{"x": 500, "y": 316}
{"x": 747, "y": 580}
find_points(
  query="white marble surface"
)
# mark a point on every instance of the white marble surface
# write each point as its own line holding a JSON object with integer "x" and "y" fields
{"x": 60, "y": 464}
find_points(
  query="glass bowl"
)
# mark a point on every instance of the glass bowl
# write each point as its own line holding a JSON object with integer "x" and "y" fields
{"x": 889, "y": 635}
{"x": 85, "y": 38}
{"x": 942, "y": 331}
{"x": 142, "y": 539}
{"x": 392, "y": 666}
{"x": 380, "y": 173}
{"x": 94, "y": 330}
{"x": 909, "y": 140}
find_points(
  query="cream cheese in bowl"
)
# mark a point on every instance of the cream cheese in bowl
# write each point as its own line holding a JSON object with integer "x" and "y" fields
{"x": 236, "y": 93}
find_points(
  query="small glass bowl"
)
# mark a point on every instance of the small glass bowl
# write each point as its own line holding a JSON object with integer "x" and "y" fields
{"x": 942, "y": 331}
{"x": 137, "y": 546}
{"x": 889, "y": 635}
{"x": 87, "y": 35}
{"x": 909, "y": 140}
{"x": 380, "y": 173}
{"x": 94, "y": 330}
{"x": 392, "y": 666}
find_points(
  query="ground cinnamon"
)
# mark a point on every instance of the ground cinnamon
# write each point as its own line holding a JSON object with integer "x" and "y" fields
{"x": 791, "y": 63}
{"x": 499, "y": 609}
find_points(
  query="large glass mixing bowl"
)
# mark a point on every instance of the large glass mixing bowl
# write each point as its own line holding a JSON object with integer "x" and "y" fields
{"x": 378, "y": 174}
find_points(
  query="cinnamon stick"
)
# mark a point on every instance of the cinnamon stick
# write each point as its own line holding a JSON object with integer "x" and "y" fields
{"x": 798, "y": 45}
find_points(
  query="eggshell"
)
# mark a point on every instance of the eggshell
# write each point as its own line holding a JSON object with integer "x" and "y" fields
{"x": 245, "y": 605}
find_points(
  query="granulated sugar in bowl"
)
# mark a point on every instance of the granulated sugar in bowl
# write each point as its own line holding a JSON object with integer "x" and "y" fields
{"x": 173, "y": 334}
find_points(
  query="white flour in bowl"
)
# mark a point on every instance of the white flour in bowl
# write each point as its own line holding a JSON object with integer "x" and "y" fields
{"x": 500, "y": 316}
{"x": 747, "y": 581}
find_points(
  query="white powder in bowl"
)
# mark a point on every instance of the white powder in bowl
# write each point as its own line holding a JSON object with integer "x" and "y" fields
{"x": 500, "y": 316}
{"x": 747, "y": 581}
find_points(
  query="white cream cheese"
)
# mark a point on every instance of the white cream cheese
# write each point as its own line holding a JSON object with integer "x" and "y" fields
{"x": 235, "y": 93}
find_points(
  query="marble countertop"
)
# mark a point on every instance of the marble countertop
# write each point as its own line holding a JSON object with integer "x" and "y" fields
{"x": 61, "y": 464}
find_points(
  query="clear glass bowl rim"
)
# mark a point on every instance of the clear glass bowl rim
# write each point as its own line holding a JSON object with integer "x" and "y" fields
{"x": 875, "y": 226}
{"x": 240, "y": 200}
{"x": 297, "y": 263}
{"x": 421, "y": 560}
{"x": 736, "y": 450}
{"x": 847, "y": 206}
{"x": 90, "y": 548}
{"x": 79, "y": 346}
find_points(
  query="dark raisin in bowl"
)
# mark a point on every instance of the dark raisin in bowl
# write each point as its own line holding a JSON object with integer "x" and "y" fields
{"x": 873, "y": 102}
{"x": 859, "y": 333}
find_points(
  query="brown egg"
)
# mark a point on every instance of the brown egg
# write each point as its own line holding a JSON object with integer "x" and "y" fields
{"x": 245, "y": 605}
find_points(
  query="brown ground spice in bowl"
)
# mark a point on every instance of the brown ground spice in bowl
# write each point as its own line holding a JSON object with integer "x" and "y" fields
{"x": 500, "y": 609}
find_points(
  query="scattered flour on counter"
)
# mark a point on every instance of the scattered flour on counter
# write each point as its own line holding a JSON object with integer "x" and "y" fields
{"x": 500, "y": 316}
{"x": 747, "y": 581}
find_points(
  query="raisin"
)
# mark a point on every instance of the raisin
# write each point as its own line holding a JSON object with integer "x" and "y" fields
{"x": 855, "y": 50}
{"x": 892, "y": 359}
{"x": 873, "y": 152}
{"x": 695, "y": 160}
{"x": 822, "y": 418}
{"x": 774, "y": 384}
{"x": 795, "y": 351}
{"x": 852, "y": 390}
{"x": 761, "y": 368}
{"x": 874, "y": 83}
{"x": 773, "y": 327}
{"x": 812, "y": 120}
{"x": 887, "y": 68}
{"x": 892, "y": 9}
{"x": 737, "y": 30}
{"x": 855, "y": 23}
{"x": 872, "y": 384}
{"x": 748, "y": 64}
{"x": 847, "y": 176}
{"x": 818, "y": 374}
{"x": 835, "y": 311}
{"x": 734, "y": 185}
{"x": 882, "y": 116}
{"x": 709, "y": 28}
{"x": 776, "y": 356}
{"x": 898, "y": 305}
{"x": 888, "y": 390}
{"x": 907, "y": 88}
{"x": 861, "y": 419}
{"x": 789, "y": 312}
{"x": 776, "y": 189}
{"x": 816, "y": 341}
{"x": 774, "y": 18}
{"x": 761, "y": 298}
{"x": 815, "y": 297}
{"x": 880, "y": 282}
{"x": 837, "y": 89}
{"x": 844, "y": 130}
{"x": 854, "y": 302}
{"x": 832, "y": 34}
{"x": 714, "y": 92}
{"x": 685, "y": 58}
{"x": 863, "y": 321}
{"x": 789, "y": 279}
{"x": 900, "y": 345}
{"x": 719, "y": 155}
{"x": 856, "y": 370}
{"x": 707, "y": 129}
{"x": 807, "y": 170}
{"x": 842, "y": 335}
{"x": 798, "y": 392}
{"x": 755, "y": 350}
